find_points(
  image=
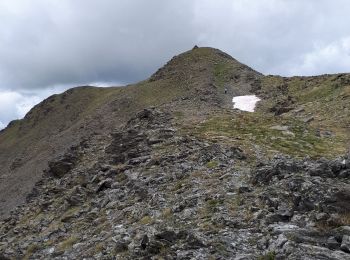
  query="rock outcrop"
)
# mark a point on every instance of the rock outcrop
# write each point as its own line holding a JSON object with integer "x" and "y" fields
{"x": 154, "y": 191}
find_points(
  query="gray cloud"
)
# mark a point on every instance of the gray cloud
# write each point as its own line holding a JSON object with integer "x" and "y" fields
{"x": 59, "y": 42}
{"x": 278, "y": 36}
{"x": 62, "y": 42}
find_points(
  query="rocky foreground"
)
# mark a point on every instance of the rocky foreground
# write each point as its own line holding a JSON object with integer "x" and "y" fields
{"x": 151, "y": 191}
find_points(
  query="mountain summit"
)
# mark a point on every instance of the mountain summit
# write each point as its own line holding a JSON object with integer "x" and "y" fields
{"x": 192, "y": 81}
{"x": 168, "y": 169}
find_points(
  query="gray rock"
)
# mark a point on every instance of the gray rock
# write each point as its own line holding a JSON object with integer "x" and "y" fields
{"x": 105, "y": 184}
{"x": 285, "y": 213}
{"x": 121, "y": 246}
{"x": 323, "y": 169}
{"x": 347, "y": 162}
{"x": 144, "y": 242}
{"x": 278, "y": 243}
{"x": 168, "y": 236}
{"x": 244, "y": 189}
{"x": 280, "y": 128}
{"x": 299, "y": 110}
{"x": 345, "y": 244}
{"x": 305, "y": 251}
{"x": 273, "y": 218}
{"x": 321, "y": 216}
{"x": 62, "y": 165}
{"x": 332, "y": 243}
{"x": 343, "y": 230}
{"x": 344, "y": 174}
{"x": 244, "y": 257}
{"x": 308, "y": 119}
{"x": 262, "y": 243}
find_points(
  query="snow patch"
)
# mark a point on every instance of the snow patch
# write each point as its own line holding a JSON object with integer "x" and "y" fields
{"x": 245, "y": 103}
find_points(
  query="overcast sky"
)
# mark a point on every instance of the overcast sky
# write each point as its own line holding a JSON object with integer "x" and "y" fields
{"x": 47, "y": 46}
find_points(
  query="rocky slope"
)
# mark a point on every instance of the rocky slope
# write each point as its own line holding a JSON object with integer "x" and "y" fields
{"x": 186, "y": 83}
{"x": 166, "y": 169}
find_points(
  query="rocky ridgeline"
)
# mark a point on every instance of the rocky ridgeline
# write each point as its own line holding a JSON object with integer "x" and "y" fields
{"x": 304, "y": 207}
{"x": 149, "y": 191}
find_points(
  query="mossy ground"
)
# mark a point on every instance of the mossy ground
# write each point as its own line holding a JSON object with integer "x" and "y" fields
{"x": 248, "y": 130}
{"x": 326, "y": 98}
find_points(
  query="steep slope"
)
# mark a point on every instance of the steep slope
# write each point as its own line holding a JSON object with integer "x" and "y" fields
{"x": 166, "y": 169}
{"x": 46, "y": 131}
{"x": 186, "y": 83}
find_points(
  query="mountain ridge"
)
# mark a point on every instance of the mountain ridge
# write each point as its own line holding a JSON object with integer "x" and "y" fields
{"x": 175, "y": 128}
{"x": 64, "y": 115}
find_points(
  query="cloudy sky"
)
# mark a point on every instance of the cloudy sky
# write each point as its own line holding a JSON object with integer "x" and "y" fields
{"x": 47, "y": 46}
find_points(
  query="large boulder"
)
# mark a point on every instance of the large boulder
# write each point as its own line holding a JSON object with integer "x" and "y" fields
{"x": 62, "y": 165}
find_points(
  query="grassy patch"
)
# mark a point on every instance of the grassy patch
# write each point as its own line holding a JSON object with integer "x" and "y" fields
{"x": 31, "y": 250}
{"x": 220, "y": 73}
{"x": 212, "y": 206}
{"x": 326, "y": 98}
{"x": 342, "y": 220}
{"x": 67, "y": 243}
{"x": 212, "y": 164}
{"x": 179, "y": 115}
{"x": 167, "y": 213}
{"x": 268, "y": 256}
{"x": 250, "y": 129}
{"x": 323, "y": 91}
{"x": 146, "y": 220}
{"x": 69, "y": 214}
{"x": 98, "y": 248}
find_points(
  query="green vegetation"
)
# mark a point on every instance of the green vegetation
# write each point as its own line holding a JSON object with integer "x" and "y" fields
{"x": 69, "y": 214}
{"x": 343, "y": 219}
{"x": 212, "y": 164}
{"x": 268, "y": 256}
{"x": 67, "y": 243}
{"x": 250, "y": 129}
{"x": 146, "y": 220}
{"x": 212, "y": 205}
{"x": 31, "y": 250}
{"x": 167, "y": 213}
{"x": 99, "y": 247}
{"x": 221, "y": 71}
{"x": 179, "y": 115}
{"x": 324, "y": 97}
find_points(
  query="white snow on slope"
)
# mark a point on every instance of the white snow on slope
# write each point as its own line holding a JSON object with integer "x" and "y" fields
{"x": 245, "y": 103}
